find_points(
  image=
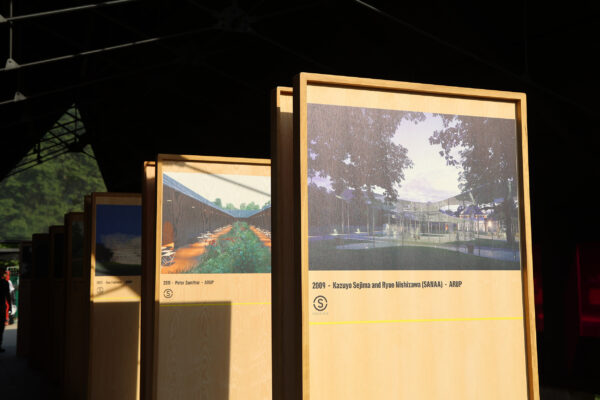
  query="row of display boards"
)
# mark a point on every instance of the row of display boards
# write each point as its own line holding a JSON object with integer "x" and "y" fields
{"x": 360, "y": 279}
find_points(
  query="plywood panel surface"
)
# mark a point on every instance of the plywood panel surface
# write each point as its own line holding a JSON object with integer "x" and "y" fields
{"x": 24, "y": 311}
{"x": 213, "y": 336}
{"x": 390, "y": 300}
{"x": 76, "y": 310}
{"x": 114, "y": 295}
{"x": 148, "y": 279}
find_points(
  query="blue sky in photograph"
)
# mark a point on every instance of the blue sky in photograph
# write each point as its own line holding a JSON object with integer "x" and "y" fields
{"x": 230, "y": 188}
{"x": 430, "y": 179}
{"x": 122, "y": 219}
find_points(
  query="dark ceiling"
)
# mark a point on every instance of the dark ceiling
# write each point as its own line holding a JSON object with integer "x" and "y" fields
{"x": 203, "y": 86}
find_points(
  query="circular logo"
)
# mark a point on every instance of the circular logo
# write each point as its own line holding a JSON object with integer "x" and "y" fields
{"x": 100, "y": 290}
{"x": 320, "y": 303}
{"x": 168, "y": 293}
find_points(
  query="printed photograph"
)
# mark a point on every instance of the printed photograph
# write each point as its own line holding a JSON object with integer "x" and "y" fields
{"x": 216, "y": 223}
{"x": 118, "y": 240}
{"x": 393, "y": 190}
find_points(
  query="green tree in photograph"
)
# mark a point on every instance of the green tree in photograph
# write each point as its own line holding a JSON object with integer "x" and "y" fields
{"x": 252, "y": 206}
{"x": 485, "y": 149}
{"x": 218, "y": 202}
{"x": 353, "y": 148}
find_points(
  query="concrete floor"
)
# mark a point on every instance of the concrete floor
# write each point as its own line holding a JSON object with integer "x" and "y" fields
{"x": 17, "y": 380}
{"x": 20, "y": 382}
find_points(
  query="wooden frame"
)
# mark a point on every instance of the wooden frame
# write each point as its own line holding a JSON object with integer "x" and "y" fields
{"x": 193, "y": 309}
{"x": 24, "y": 320}
{"x": 408, "y": 97}
{"x": 58, "y": 304}
{"x": 148, "y": 277}
{"x": 77, "y": 306}
{"x": 114, "y": 338}
{"x": 286, "y": 318}
{"x": 39, "y": 356}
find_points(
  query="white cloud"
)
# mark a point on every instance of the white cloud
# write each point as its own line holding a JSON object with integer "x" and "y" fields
{"x": 430, "y": 179}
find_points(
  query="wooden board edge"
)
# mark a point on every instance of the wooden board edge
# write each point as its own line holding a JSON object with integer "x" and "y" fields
{"x": 527, "y": 251}
{"x": 276, "y": 342}
{"x": 281, "y": 315}
{"x": 148, "y": 279}
{"x": 410, "y": 87}
{"x": 210, "y": 159}
{"x": 301, "y": 220}
{"x": 157, "y": 252}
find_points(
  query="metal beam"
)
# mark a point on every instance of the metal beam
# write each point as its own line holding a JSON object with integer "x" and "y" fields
{"x": 109, "y": 48}
{"x": 4, "y": 20}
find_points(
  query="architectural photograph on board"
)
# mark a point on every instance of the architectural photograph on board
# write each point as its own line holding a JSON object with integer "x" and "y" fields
{"x": 118, "y": 240}
{"x": 392, "y": 189}
{"x": 216, "y": 223}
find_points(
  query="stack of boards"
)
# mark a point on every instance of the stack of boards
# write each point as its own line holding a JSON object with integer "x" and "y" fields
{"x": 383, "y": 252}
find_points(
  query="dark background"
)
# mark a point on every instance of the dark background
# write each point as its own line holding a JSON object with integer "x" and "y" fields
{"x": 204, "y": 86}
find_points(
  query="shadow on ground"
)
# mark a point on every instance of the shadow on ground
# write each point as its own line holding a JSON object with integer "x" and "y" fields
{"x": 17, "y": 380}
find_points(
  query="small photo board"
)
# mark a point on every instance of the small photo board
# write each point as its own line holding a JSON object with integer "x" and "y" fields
{"x": 115, "y": 294}
{"x": 213, "y": 278}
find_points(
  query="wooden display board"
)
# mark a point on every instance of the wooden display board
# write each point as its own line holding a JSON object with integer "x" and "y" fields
{"x": 24, "y": 307}
{"x": 41, "y": 324}
{"x": 414, "y": 242}
{"x": 213, "y": 283}
{"x": 57, "y": 270}
{"x": 115, "y": 290}
{"x": 76, "y": 305}
{"x": 148, "y": 277}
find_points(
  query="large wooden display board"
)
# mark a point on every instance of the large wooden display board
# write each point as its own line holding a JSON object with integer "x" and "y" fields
{"x": 76, "y": 305}
{"x": 115, "y": 290}
{"x": 414, "y": 241}
{"x": 24, "y": 307}
{"x": 57, "y": 333}
{"x": 213, "y": 281}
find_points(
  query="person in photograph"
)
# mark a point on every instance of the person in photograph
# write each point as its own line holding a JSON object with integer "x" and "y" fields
{"x": 5, "y": 301}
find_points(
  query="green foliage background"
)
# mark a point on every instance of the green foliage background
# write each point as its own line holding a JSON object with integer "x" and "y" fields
{"x": 239, "y": 251}
{"x": 32, "y": 200}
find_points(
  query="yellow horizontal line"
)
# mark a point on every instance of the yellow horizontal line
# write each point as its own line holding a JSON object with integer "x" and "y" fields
{"x": 389, "y": 321}
{"x": 115, "y": 298}
{"x": 211, "y": 304}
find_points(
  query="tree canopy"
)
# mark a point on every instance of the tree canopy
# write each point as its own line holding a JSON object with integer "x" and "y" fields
{"x": 243, "y": 206}
{"x": 34, "y": 199}
{"x": 485, "y": 149}
{"x": 353, "y": 148}
{"x": 486, "y": 153}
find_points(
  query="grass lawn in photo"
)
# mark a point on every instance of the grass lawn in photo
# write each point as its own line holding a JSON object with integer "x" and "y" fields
{"x": 238, "y": 251}
{"x": 327, "y": 255}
